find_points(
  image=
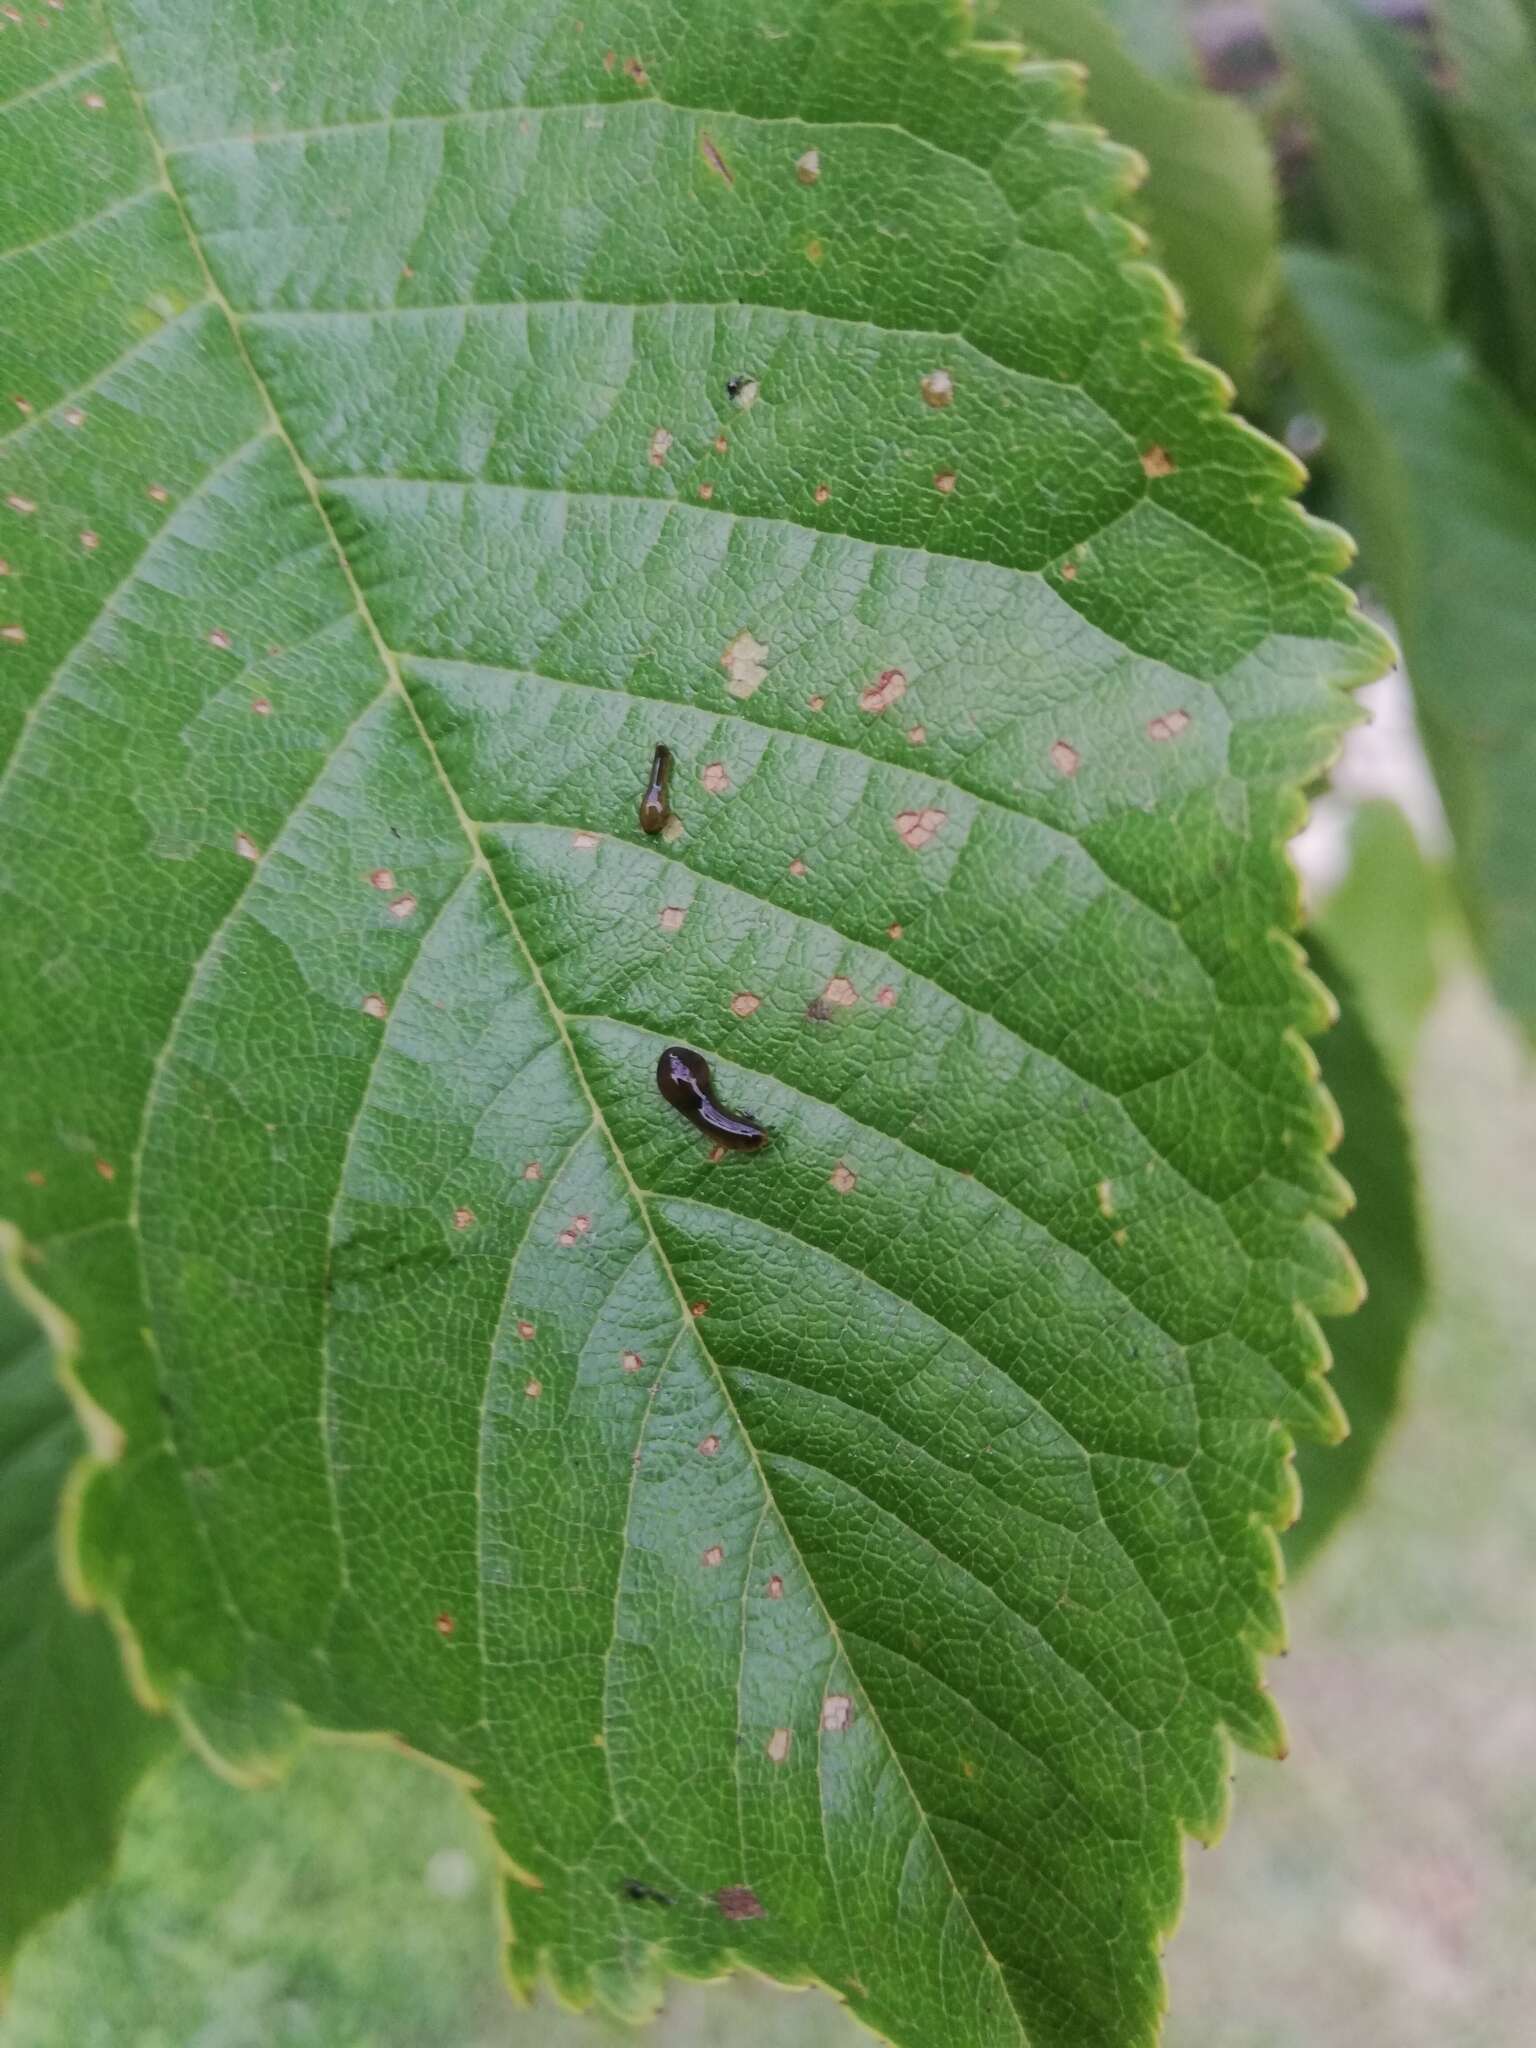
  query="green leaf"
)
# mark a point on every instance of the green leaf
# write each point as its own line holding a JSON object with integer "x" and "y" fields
{"x": 1490, "y": 46}
{"x": 1381, "y": 924}
{"x": 1374, "y": 176}
{"x": 1210, "y": 197}
{"x": 1441, "y": 475}
{"x": 73, "y": 1739}
{"x": 1370, "y": 1347}
{"x": 848, "y": 1558}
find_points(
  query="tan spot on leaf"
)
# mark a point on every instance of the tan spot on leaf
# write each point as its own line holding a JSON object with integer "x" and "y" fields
{"x": 918, "y": 829}
{"x": 715, "y": 160}
{"x": 715, "y": 779}
{"x": 815, "y": 251}
{"x": 917, "y": 735}
{"x": 775, "y": 1588}
{"x": 90, "y": 541}
{"x": 17, "y": 635}
{"x": 220, "y": 639}
{"x": 631, "y": 1361}
{"x": 841, "y": 992}
{"x": 1169, "y": 726}
{"x": 888, "y": 686}
{"x": 745, "y": 1003}
{"x": 22, "y": 505}
{"x": 583, "y": 842}
{"x": 744, "y": 392}
{"x": 1157, "y": 461}
{"x": 1105, "y": 1193}
{"x": 713, "y": 1556}
{"x": 661, "y": 441}
{"x": 527, "y": 1331}
{"x": 382, "y": 878}
{"x": 938, "y": 389}
{"x": 706, "y": 492}
{"x": 710, "y": 1447}
{"x": 671, "y": 918}
{"x": 821, "y": 494}
{"x": 463, "y": 1219}
{"x": 106, "y": 1169}
{"x": 777, "y": 1746}
{"x": 1069, "y": 571}
{"x": 159, "y": 493}
{"x": 375, "y": 1006}
{"x": 817, "y": 703}
{"x": 533, "y": 1170}
{"x": 886, "y": 997}
{"x": 34, "y": 1179}
{"x": 721, "y": 444}
{"x": 445, "y": 1624}
{"x": 636, "y": 71}
{"x": 22, "y": 405}
{"x": 246, "y": 847}
{"x": 402, "y": 908}
{"x": 697, "y": 1309}
{"x": 836, "y": 1712}
{"x": 893, "y": 931}
{"x": 744, "y": 665}
{"x": 1064, "y": 758}
{"x": 533, "y": 1389}
{"x": 714, "y": 1155}
{"x": 843, "y": 1178}
{"x": 673, "y": 830}
{"x": 945, "y": 481}
{"x": 808, "y": 167}
{"x": 93, "y": 102}
{"x": 72, "y": 416}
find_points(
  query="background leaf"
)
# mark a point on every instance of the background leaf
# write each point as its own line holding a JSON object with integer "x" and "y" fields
{"x": 1372, "y": 169}
{"x": 73, "y": 1740}
{"x": 873, "y": 1530}
{"x": 1440, "y": 473}
{"x": 1210, "y": 198}
{"x": 1370, "y": 1348}
{"x": 1383, "y": 924}
{"x": 1490, "y": 46}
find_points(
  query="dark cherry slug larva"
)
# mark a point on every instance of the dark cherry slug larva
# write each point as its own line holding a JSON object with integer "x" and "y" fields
{"x": 654, "y": 811}
{"x": 684, "y": 1080}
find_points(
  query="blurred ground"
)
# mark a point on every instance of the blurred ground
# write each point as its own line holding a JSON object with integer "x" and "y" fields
{"x": 1375, "y": 1891}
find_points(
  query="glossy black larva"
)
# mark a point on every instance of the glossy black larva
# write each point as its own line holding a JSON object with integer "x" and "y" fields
{"x": 654, "y": 810}
{"x": 684, "y": 1080}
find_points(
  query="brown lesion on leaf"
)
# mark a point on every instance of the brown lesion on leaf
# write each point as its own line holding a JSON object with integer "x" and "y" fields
{"x": 246, "y": 847}
{"x": 740, "y": 1902}
{"x": 1169, "y": 726}
{"x": 533, "y": 1389}
{"x": 636, "y": 72}
{"x": 715, "y": 1555}
{"x": 836, "y": 1712}
{"x": 1156, "y": 461}
{"x": 843, "y": 1178}
{"x": 886, "y": 997}
{"x": 775, "y": 1588}
{"x": 262, "y": 706}
{"x": 821, "y": 494}
{"x": 574, "y": 1231}
{"x": 463, "y": 1219}
{"x": 631, "y": 1361}
{"x": 777, "y": 1746}
{"x": 945, "y": 481}
{"x": 403, "y": 907}
{"x": 445, "y": 1624}
{"x": 527, "y": 1332}
{"x": 710, "y": 1447}
{"x": 660, "y": 442}
{"x": 938, "y": 389}
{"x": 671, "y": 917}
{"x": 917, "y": 829}
{"x": 840, "y": 992}
{"x": 889, "y": 686}
{"x": 744, "y": 1003}
{"x": 375, "y": 1006}
{"x": 745, "y": 665}
{"x": 714, "y": 776}
{"x": 533, "y": 1170}
{"x": 808, "y": 167}
{"x": 583, "y": 842}
{"x": 1065, "y": 758}
{"x": 917, "y": 735}
{"x": 714, "y": 159}
{"x": 383, "y": 878}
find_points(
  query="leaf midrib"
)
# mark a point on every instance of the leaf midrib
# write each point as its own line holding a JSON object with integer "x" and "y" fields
{"x": 395, "y": 684}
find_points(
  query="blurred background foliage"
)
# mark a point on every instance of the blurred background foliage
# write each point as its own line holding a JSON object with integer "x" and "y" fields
{"x": 1344, "y": 192}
